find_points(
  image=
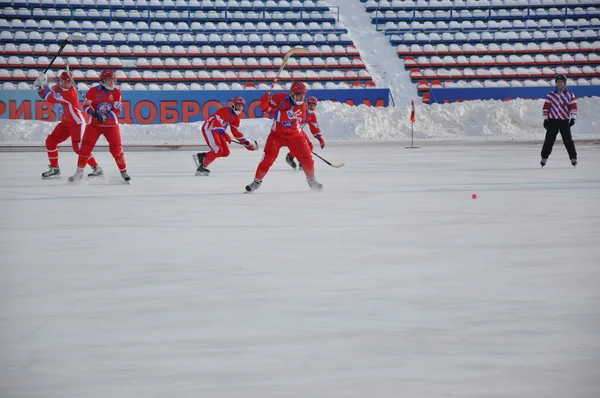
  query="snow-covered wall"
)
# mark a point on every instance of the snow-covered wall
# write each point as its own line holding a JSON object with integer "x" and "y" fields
{"x": 519, "y": 120}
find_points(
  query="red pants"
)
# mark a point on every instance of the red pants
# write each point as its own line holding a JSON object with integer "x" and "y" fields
{"x": 307, "y": 141}
{"x": 60, "y": 134}
{"x": 298, "y": 148}
{"x": 218, "y": 146}
{"x": 112, "y": 135}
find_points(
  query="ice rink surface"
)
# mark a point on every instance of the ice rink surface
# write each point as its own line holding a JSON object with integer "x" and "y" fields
{"x": 393, "y": 282}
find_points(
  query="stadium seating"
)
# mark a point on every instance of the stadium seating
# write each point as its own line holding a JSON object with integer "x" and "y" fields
{"x": 175, "y": 43}
{"x": 492, "y": 43}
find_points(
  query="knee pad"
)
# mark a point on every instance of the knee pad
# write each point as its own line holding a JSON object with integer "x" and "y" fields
{"x": 51, "y": 142}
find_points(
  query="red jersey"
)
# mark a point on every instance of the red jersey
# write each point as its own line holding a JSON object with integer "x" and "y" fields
{"x": 68, "y": 102}
{"x": 313, "y": 124}
{"x": 103, "y": 101}
{"x": 288, "y": 117}
{"x": 221, "y": 119}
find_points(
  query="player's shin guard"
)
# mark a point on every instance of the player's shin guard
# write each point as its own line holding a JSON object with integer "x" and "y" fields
{"x": 92, "y": 162}
{"x": 263, "y": 167}
{"x": 52, "y": 157}
{"x": 119, "y": 158}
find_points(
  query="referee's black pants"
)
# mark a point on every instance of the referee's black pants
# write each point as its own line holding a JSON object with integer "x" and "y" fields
{"x": 554, "y": 126}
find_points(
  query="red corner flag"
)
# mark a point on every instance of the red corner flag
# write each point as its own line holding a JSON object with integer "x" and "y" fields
{"x": 412, "y": 112}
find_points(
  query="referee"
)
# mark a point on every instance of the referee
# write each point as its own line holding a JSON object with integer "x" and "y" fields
{"x": 560, "y": 111}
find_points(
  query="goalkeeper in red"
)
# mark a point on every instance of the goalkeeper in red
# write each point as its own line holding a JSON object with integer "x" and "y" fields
{"x": 72, "y": 121}
{"x": 289, "y": 112}
{"x": 214, "y": 130}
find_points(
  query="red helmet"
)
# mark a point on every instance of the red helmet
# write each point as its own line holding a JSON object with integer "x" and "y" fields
{"x": 66, "y": 80}
{"x": 297, "y": 92}
{"x": 311, "y": 101}
{"x": 105, "y": 79}
{"x": 237, "y": 101}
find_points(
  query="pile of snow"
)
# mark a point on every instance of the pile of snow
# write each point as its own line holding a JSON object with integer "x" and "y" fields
{"x": 518, "y": 120}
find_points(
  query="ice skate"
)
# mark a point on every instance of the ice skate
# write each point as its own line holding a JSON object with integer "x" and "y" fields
{"x": 199, "y": 159}
{"x": 300, "y": 166}
{"x": 314, "y": 185}
{"x": 54, "y": 172}
{"x": 543, "y": 162}
{"x": 574, "y": 162}
{"x": 290, "y": 160}
{"x": 126, "y": 177}
{"x": 253, "y": 186}
{"x": 97, "y": 172}
{"x": 78, "y": 176}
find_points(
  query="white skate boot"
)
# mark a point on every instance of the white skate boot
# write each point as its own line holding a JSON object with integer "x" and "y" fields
{"x": 253, "y": 186}
{"x": 78, "y": 176}
{"x": 96, "y": 172}
{"x": 314, "y": 185}
{"x": 54, "y": 172}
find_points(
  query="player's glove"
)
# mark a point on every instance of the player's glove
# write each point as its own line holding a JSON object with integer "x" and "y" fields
{"x": 100, "y": 117}
{"x": 545, "y": 123}
{"x": 310, "y": 144}
{"x": 41, "y": 82}
{"x": 321, "y": 140}
{"x": 264, "y": 103}
{"x": 247, "y": 144}
{"x": 572, "y": 122}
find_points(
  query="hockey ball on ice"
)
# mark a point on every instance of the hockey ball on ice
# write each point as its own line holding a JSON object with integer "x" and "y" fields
{"x": 474, "y": 196}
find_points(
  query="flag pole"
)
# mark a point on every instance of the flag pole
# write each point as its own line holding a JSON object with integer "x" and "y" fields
{"x": 412, "y": 127}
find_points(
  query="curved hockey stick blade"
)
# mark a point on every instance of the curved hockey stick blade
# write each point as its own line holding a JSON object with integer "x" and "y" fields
{"x": 334, "y": 165}
{"x": 297, "y": 50}
{"x": 256, "y": 147}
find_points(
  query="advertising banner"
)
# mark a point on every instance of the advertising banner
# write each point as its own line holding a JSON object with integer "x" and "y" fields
{"x": 165, "y": 107}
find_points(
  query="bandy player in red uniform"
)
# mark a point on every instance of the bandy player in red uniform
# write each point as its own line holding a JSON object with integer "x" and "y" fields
{"x": 289, "y": 112}
{"x": 71, "y": 123}
{"x": 214, "y": 130}
{"x": 103, "y": 107}
{"x": 315, "y": 130}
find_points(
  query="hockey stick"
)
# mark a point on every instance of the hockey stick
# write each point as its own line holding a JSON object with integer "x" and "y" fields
{"x": 334, "y": 165}
{"x": 298, "y": 50}
{"x": 256, "y": 147}
{"x": 195, "y": 157}
{"x": 76, "y": 88}
{"x": 68, "y": 40}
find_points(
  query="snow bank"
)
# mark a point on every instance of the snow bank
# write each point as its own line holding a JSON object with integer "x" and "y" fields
{"x": 518, "y": 120}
